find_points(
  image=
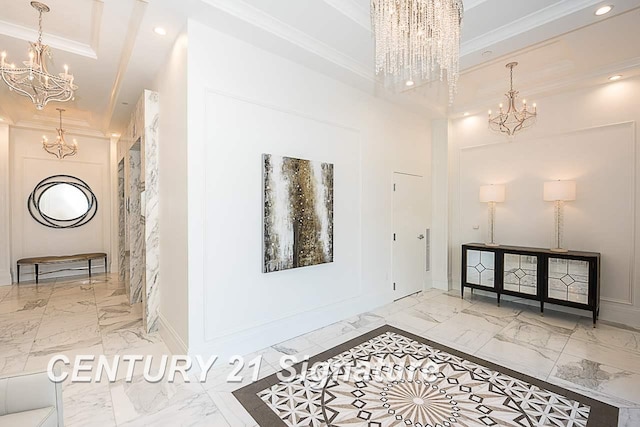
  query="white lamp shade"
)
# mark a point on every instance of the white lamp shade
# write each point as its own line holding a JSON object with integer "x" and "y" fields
{"x": 559, "y": 190}
{"x": 492, "y": 193}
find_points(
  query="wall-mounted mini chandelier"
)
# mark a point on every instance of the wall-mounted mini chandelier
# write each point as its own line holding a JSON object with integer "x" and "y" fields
{"x": 59, "y": 147}
{"x": 513, "y": 120}
{"x": 417, "y": 39}
{"x": 33, "y": 80}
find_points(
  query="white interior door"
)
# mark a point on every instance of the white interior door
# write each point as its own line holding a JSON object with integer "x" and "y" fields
{"x": 410, "y": 218}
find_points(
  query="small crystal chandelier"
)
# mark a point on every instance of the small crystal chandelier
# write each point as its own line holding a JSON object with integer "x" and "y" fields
{"x": 33, "y": 80}
{"x": 60, "y": 148}
{"x": 417, "y": 39}
{"x": 513, "y": 120}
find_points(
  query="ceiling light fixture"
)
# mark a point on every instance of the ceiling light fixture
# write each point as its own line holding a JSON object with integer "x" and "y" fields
{"x": 115, "y": 135}
{"x": 160, "y": 31}
{"x": 513, "y": 120}
{"x": 33, "y": 80}
{"x": 604, "y": 10}
{"x": 409, "y": 83}
{"x": 60, "y": 148}
{"x": 417, "y": 39}
{"x": 616, "y": 77}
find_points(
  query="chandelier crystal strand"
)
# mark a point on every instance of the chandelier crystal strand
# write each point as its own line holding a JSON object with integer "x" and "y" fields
{"x": 33, "y": 80}
{"x": 417, "y": 39}
{"x": 513, "y": 119}
{"x": 60, "y": 148}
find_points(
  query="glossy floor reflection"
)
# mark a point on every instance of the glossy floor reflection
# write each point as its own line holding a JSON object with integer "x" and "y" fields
{"x": 82, "y": 316}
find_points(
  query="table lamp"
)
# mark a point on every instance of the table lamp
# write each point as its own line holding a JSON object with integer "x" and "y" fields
{"x": 559, "y": 192}
{"x": 492, "y": 194}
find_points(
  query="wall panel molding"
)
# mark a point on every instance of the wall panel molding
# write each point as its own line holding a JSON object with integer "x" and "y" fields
{"x": 298, "y": 312}
{"x": 629, "y": 300}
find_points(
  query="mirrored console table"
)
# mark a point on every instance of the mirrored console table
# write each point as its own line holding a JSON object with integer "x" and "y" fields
{"x": 570, "y": 279}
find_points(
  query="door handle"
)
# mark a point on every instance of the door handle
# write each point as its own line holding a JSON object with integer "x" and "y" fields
{"x": 420, "y": 236}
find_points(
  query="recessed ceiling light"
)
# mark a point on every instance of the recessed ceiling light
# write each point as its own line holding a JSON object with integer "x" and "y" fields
{"x": 604, "y": 10}
{"x": 115, "y": 135}
{"x": 616, "y": 77}
{"x": 409, "y": 83}
{"x": 160, "y": 31}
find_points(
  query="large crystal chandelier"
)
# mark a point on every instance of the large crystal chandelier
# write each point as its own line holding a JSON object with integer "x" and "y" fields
{"x": 60, "y": 148}
{"x": 513, "y": 119}
{"x": 417, "y": 39}
{"x": 33, "y": 80}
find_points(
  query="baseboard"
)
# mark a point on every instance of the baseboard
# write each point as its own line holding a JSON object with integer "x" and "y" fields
{"x": 170, "y": 336}
{"x": 609, "y": 311}
{"x": 272, "y": 333}
{"x": 619, "y": 313}
{"x": 440, "y": 284}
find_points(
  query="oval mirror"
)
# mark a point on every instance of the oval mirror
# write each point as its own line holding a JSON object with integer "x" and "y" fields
{"x": 63, "y": 202}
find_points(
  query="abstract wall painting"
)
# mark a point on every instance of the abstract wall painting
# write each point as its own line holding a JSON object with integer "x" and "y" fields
{"x": 298, "y": 213}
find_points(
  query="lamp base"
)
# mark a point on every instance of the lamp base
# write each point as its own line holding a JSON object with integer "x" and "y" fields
{"x": 492, "y": 245}
{"x": 560, "y": 250}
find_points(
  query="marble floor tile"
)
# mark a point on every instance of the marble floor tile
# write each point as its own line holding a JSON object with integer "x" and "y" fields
{"x": 13, "y": 363}
{"x": 128, "y": 340}
{"x": 51, "y": 339}
{"x": 120, "y": 316}
{"x": 196, "y": 411}
{"x": 218, "y": 378}
{"x": 4, "y": 291}
{"x": 437, "y": 312}
{"x": 163, "y": 403}
{"x": 233, "y": 412}
{"x": 604, "y": 354}
{"x": 553, "y": 318}
{"x": 629, "y": 417}
{"x": 364, "y": 319}
{"x": 464, "y": 332}
{"x": 33, "y": 303}
{"x": 329, "y": 332}
{"x": 587, "y": 375}
{"x": 498, "y": 315}
{"x": 106, "y": 297}
{"x": 87, "y": 405}
{"x": 536, "y": 362}
{"x": 608, "y": 335}
{"x": 413, "y": 318}
{"x": 91, "y": 316}
{"x": 39, "y": 360}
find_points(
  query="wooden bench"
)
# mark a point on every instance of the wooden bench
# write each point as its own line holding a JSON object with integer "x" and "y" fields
{"x": 37, "y": 261}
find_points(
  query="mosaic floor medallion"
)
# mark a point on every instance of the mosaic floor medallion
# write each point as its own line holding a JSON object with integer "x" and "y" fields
{"x": 389, "y": 377}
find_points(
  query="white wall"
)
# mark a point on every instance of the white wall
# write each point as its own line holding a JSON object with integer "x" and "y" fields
{"x": 29, "y": 165}
{"x": 5, "y": 212}
{"x": 171, "y": 84}
{"x": 243, "y": 102}
{"x": 587, "y": 135}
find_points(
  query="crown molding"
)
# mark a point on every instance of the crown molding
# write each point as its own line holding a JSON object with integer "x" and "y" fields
{"x": 353, "y": 11}
{"x": 527, "y": 23}
{"x": 57, "y": 42}
{"x": 268, "y": 23}
{"x": 96, "y": 24}
{"x": 135, "y": 21}
{"x": 557, "y": 86}
{"x": 44, "y": 126}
